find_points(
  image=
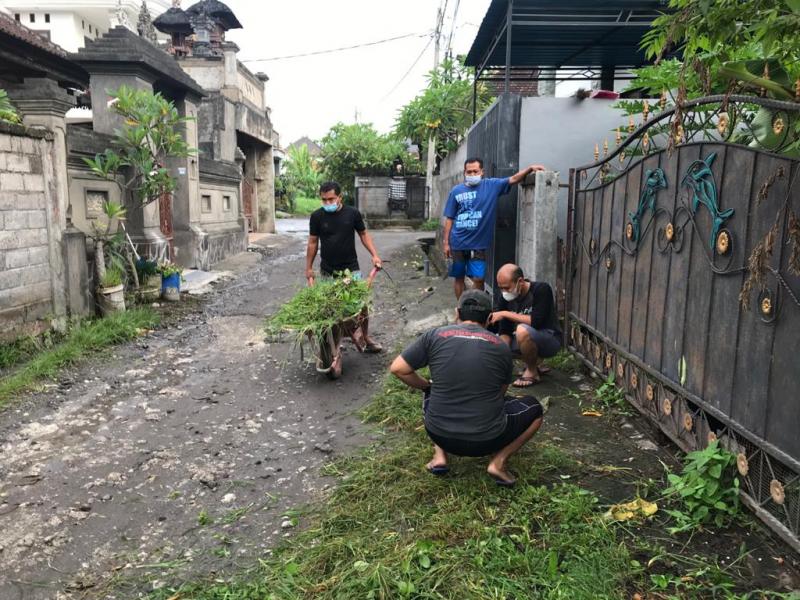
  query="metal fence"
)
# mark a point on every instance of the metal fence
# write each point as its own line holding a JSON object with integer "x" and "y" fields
{"x": 683, "y": 279}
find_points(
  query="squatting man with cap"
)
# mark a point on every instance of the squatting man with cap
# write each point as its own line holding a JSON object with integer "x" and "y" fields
{"x": 527, "y": 320}
{"x": 469, "y": 220}
{"x": 466, "y": 411}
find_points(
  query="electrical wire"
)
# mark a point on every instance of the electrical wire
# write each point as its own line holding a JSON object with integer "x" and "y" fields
{"x": 411, "y": 68}
{"x": 332, "y": 50}
{"x": 453, "y": 28}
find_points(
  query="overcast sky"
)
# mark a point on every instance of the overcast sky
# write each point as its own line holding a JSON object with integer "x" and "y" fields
{"x": 309, "y": 95}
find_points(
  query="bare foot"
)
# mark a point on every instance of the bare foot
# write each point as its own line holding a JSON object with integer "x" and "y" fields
{"x": 500, "y": 475}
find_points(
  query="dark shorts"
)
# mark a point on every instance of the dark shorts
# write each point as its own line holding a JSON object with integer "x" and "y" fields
{"x": 468, "y": 263}
{"x": 520, "y": 415}
{"x": 547, "y": 341}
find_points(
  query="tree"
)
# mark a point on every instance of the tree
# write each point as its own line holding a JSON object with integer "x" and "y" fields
{"x": 443, "y": 108}
{"x": 350, "y": 150}
{"x": 152, "y": 132}
{"x": 302, "y": 173}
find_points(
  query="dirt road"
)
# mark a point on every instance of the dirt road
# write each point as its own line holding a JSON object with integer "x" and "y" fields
{"x": 182, "y": 452}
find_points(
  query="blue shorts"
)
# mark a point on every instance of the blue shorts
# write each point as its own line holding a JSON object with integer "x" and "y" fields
{"x": 469, "y": 263}
{"x": 548, "y": 341}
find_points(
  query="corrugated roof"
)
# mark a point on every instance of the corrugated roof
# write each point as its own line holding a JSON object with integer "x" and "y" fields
{"x": 565, "y": 33}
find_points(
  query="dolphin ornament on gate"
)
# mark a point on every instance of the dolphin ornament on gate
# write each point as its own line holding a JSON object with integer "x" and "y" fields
{"x": 700, "y": 180}
{"x": 654, "y": 180}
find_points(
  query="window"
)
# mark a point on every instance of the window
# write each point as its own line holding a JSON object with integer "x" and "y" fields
{"x": 46, "y": 17}
{"x": 32, "y": 17}
{"x": 16, "y": 17}
{"x": 90, "y": 29}
{"x": 83, "y": 24}
{"x": 226, "y": 203}
{"x": 205, "y": 204}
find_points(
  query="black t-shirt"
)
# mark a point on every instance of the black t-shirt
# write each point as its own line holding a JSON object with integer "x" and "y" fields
{"x": 336, "y": 232}
{"x": 538, "y": 303}
{"x": 469, "y": 367}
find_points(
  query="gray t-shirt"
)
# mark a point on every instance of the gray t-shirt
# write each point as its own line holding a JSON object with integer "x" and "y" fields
{"x": 469, "y": 366}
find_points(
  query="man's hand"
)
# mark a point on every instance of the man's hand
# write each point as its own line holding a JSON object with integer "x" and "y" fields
{"x": 446, "y": 250}
{"x": 377, "y": 262}
{"x": 310, "y": 276}
{"x": 496, "y": 317}
{"x": 534, "y": 168}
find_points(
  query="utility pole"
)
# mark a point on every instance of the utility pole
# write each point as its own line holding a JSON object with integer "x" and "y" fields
{"x": 432, "y": 138}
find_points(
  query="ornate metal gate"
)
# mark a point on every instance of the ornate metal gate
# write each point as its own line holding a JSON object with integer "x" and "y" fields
{"x": 683, "y": 281}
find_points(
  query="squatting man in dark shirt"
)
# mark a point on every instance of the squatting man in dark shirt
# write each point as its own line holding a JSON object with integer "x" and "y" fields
{"x": 336, "y": 225}
{"x": 527, "y": 320}
{"x": 466, "y": 411}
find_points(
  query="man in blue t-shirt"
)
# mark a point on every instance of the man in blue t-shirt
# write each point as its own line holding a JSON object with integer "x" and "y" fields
{"x": 469, "y": 220}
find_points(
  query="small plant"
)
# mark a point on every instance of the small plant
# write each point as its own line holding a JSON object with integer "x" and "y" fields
{"x": 168, "y": 269}
{"x": 203, "y": 518}
{"x": 7, "y": 110}
{"x": 609, "y": 395}
{"x": 146, "y": 268}
{"x": 112, "y": 278}
{"x": 707, "y": 489}
{"x": 430, "y": 225}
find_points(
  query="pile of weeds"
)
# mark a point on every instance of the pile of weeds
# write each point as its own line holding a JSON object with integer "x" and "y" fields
{"x": 82, "y": 339}
{"x": 315, "y": 309}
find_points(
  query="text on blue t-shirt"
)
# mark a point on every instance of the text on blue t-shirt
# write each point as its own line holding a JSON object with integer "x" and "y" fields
{"x": 474, "y": 210}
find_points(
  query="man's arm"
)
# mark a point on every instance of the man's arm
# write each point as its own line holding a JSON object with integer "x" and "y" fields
{"x": 516, "y": 318}
{"x": 311, "y": 254}
{"x": 366, "y": 240}
{"x": 403, "y": 371}
{"x": 520, "y": 177}
{"x": 448, "y": 227}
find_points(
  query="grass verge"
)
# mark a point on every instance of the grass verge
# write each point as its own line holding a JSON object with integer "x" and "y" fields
{"x": 305, "y": 206}
{"x": 81, "y": 340}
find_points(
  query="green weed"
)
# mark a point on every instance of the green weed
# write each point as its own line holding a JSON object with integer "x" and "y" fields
{"x": 304, "y": 206}
{"x": 609, "y": 396}
{"x": 430, "y": 225}
{"x": 707, "y": 490}
{"x": 81, "y": 340}
{"x": 564, "y": 361}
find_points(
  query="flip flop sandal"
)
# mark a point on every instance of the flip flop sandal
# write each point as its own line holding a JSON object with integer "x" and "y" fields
{"x": 373, "y": 348}
{"x": 529, "y": 382}
{"x": 543, "y": 370}
{"x": 503, "y": 482}
{"x": 439, "y": 470}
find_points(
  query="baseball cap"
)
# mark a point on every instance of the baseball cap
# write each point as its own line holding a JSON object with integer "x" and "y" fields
{"x": 475, "y": 304}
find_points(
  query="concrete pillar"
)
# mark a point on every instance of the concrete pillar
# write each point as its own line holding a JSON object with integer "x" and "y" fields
{"x": 104, "y": 119}
{"x": 186, "y": 197}
{"x": 265, "y": 189}
{"x": 537, "y": 243}
{"x": 547, "y": 88}
{"x": 43, "y": 104}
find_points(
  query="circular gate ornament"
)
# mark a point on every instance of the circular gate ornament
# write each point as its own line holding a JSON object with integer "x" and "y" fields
{"x": 629, "y": 231}
{"x": 597, "y": 352}
{"x": 687, "y": 422}
{"x": 766, "y": 306}
{"x": 722, "y": 124}
{"x": 666, "y": 407}
{"x": 778, "y": 125}
{"x": 742, "y": 465}
{"x": 669, "y": 232}
{"x": 609, "y": 361}
{"x": 712, "y": 437}
{"x": 777, "y": 492}
{"x": 592, "y": 245}
{"x": 650, "y": 393}
{"x": 634, "y": 380}
{"x": 620, "y": 370}
{"x": 723, "y": 242}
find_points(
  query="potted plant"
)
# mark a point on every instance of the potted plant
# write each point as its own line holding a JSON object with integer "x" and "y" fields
{"x": 149, "y": 279}
{"x": 111, "y": 291}
{"x": 170, "y": 280}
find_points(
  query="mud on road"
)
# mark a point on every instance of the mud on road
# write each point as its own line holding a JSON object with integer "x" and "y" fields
{"x": 185, "y": 451}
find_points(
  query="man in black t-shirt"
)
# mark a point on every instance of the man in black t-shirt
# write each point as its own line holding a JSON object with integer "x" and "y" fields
{"x": 527, "y": 320}
{"x": 466, "y": 410}
{"x": 336, "y": 225}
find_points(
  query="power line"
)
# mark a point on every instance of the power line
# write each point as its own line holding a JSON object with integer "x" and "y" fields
{"x": 411, "y": 68}
{"x": 453, "y": 28}
{"x": 332, "y": 50}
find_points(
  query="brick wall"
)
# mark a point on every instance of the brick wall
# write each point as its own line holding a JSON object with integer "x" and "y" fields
{"x": 26, "y": 294}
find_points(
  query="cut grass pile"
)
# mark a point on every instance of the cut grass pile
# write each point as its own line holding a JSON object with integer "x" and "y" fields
{"x": 315, "y": 309}
{"x": 81, "y": 340}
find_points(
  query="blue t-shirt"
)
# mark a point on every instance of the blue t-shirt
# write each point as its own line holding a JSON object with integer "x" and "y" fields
{"x": 473, "y": 210}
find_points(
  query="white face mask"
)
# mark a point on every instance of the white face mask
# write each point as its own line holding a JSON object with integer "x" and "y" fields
{"x": 509, "y": 296}
{"x": 472, "y": 180}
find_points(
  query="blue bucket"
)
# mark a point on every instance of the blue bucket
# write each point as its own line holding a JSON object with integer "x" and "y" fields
{"x": 171, "y": 287}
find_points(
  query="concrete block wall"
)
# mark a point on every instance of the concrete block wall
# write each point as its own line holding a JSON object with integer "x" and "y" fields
{"x": 26, "y": 277}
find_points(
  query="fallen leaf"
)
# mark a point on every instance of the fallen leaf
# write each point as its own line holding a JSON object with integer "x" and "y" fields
{"x": 631, "y": 510}
{"x": 591, "y": 413}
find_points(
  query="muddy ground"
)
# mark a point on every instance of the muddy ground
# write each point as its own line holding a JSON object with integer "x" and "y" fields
{"x": 187, "y": 452}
